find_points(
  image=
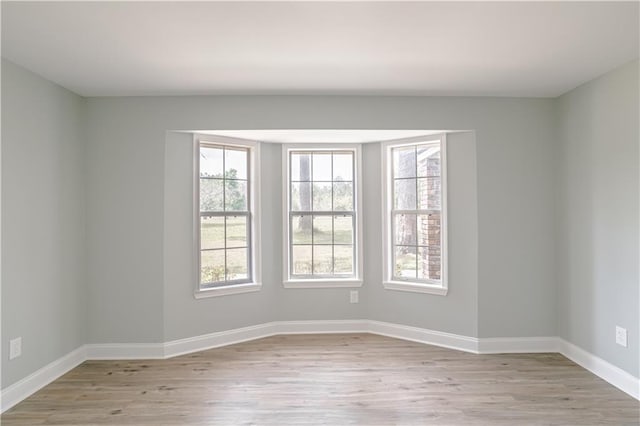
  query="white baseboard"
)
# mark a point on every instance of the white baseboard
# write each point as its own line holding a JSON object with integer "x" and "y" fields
{"x": 40, "y": 378}
{"x": 321, "y": 326}
{"x": 423, "y": 335}
{"x": 218, "y": 339}
{"x": 244, "y": 334}
{"x": 27, "y": 386}
{"x": 514, "y": 345}
{"x": 106, "y": 351}
{"x": 601, "y": 368}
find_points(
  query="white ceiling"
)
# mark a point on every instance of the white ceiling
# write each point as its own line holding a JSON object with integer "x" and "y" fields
{"x": 361, "y": 48}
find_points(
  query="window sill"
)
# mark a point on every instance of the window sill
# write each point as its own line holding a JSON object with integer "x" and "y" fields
{"x": 227, "y": 290}
{"x": 414, "y": 287}
{"x": 322, "y": 283}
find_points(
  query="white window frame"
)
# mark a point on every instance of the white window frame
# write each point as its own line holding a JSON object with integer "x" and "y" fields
{"x": 439, "y": 287}
{"x": 295, "y": 282}
{"x": 254, "y": 255}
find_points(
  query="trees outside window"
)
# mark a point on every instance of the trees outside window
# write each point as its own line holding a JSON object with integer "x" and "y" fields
{"x": 322, "y": 218}
{"x": 225, "y": 229}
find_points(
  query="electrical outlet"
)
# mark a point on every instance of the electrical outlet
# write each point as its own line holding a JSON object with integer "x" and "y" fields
{"x": 353, "y": 296}
{"x": 15, "y": 347}
{"x": 621, "y": 336}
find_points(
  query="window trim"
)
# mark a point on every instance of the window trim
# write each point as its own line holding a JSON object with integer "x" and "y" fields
{"x": 322, "y": 282}
{"x": 429, "y": 286}
{"x": 253, "y": 175}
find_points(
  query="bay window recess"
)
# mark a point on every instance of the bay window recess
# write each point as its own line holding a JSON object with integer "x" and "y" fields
{"x": 226, "y": 224}
{"x": 415, "y": 213}
{"x": 322, "y": 242}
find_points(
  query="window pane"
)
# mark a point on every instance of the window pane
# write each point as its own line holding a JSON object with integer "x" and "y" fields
{"x": 322, "y": 230}
{"x": 342, "y": 230}
{"x": 210, "y": 195}
{"x": 343, "y": 166}
{"x": 428, "y": 160}
{"x": 322, "y": 182}
{"x": 429, "y": 263}
{"x": 405, "y": 229}
{"x": 301, "y": 196}
{"x": 301, "y": 167}
{"x": 210, "y": 162}
{"x": 322, "y": 196}
{"x": 211, "y": 232}
{"x": 405, "y": 194}
{"x": 237, "y": 264}
{"x": 211, "y": 266}
{"x": 235, "y": 195}
{"x": 430, "y": 192}
{"x": 322, "y": 167}
{"x": 301, "y": 260}
{"x": 429, "y": 230}
{"x": 322, "y": 260}
{"x": 301, "y": 229}
{"x": 236, "y": 231}
{"x": 224, "y": 240}
{"x": 343, "y": 196}
{"x": 405, "y": 262}
{"x": 343, "y": 260}
{"x": 235, "y": 163}
{"x": 404, "y": 162}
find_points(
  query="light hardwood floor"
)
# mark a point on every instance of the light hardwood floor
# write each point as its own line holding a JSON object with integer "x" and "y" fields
{"x": 345, "y": 379}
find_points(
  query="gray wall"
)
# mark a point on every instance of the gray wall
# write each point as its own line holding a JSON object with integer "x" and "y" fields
{"x": 136, "y": 241}
{"x": 543, "y": 214}
{"x": 598, "y": 216}
{"x": 43, "y": 221}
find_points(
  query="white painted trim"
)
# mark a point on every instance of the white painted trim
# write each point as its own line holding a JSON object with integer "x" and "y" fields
{"x": 444, "y": 211}
{"x": 415, "y": 288}
{"x": 359, "y": 206}
{"x": 423, "y": 335}
{"x": 227, "y": 290}
{"x": 601, "y": 368}
{"x": 217, "y": 339}
{"x": 322, "y": 327}
{"x": 322, "y": 283}
{"x": 255, "y": 214}
{"x": 285, "y": 213}
{"x": 245, "y": 334}
{"x": 27, "y": 386}
{"x": 515, "y": 345}
{"x": 387, "y": 227}
{"x": 108, "y": 351}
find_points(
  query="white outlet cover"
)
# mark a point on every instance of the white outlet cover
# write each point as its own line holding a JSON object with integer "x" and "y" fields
{"x": 621, "y": 336}
{"x": 353, "y": 296}
{"x": 15, "y": 347}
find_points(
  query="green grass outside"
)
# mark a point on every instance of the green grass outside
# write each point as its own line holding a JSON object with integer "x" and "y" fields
{"x": 212, "y": 262}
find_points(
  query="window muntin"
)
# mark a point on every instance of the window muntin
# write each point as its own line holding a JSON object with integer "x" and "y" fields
{"x": 415, "y": 249}
{"x": 322, "y": 218}
{"x": 224, "y": 226}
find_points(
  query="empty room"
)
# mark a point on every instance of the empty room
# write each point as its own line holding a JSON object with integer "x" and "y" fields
{"x": 320, "y": 213}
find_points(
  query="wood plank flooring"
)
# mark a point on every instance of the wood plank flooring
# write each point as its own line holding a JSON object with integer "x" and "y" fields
{"x": 349, "y": 379}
